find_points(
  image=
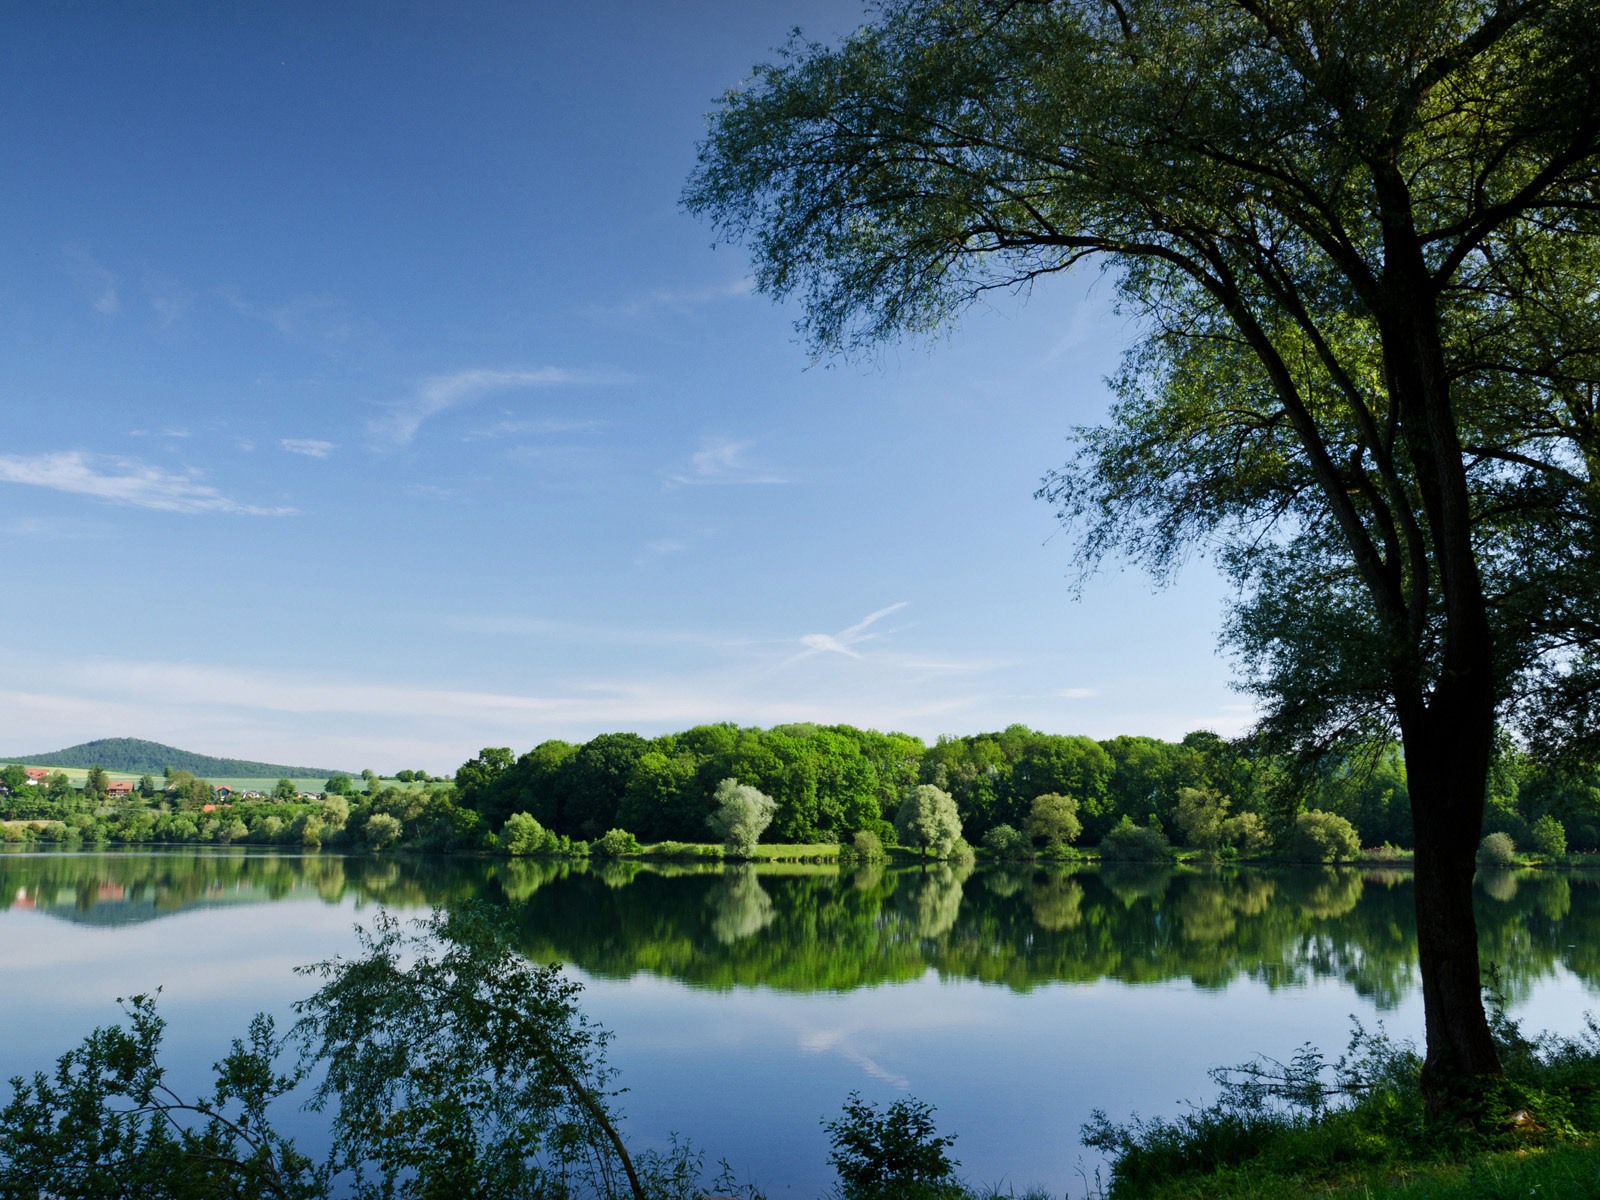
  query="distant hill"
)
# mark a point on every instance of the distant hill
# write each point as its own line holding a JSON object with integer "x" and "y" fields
{"x": 139, "y": 757}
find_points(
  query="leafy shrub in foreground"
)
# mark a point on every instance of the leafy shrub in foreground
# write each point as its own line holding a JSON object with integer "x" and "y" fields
{"x": 895, "y": 1154}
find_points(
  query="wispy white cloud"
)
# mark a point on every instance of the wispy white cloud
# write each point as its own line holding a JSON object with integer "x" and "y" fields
{"x": 123, "y": 481}
{"x": 310, "y": 447}
{"x": 535, "y": 427}
{"x": 440, "y": 393}
{"x": 173, "y": 432}
{"x": 167, "y": 300}
{"x": 52, "y": 529}
{"x": 1077, "y": 693}
{"x": 98, "y": 283}
{"x": 676, "y": 300}
{"x": 845, "y": 641}
{"x": 723, "y": 461}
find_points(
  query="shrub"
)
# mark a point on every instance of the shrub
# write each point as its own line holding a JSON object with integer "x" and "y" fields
{"x": 1497, "y": 850}
{"x": 1322, "y": 837}
{"x": 614, "y": 844}
{"x": 522, "y": 834}
{"x": 1004, "y": 841}
{"x": 1247, "y": 833}
{"x": 894, "y": 1153}
{"x": 382, "y": 830}
{"x": 867, "y": 846}
{"x": 1388, "y": 852}
{"x": 1549, "y": 837}
{"x": 1128, "y": 842}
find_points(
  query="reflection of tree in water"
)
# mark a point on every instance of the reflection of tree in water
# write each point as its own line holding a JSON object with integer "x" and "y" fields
{"x": 867, "y": 876}
{"x": 616, "y": 872}
{"x": 1057, "y": 903}
{"x": 522, "y": 877}
{"x": 1555, "y": 897}
{"x": 931, "y": 898}
{"x": 740, "y": 905}
{"x": 1324, "y": 893}
{"x": 1132, "y": 882}
{"x": 1206, "y": 911}
{"x": 1498, "y": 883}
{"x": 1007, "y": 881}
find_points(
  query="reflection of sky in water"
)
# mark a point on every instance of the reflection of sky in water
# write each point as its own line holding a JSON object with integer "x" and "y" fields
{"x": 746, "y": 1073}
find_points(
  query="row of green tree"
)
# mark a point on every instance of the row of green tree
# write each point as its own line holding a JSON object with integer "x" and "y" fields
{"x": 830, "y": 782}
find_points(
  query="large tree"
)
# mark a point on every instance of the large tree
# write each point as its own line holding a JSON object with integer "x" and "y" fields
{"x": 1361, "y": 239}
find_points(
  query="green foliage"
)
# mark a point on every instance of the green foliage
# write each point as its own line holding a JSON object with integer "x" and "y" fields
{"x": 521, "y": 834}
{"x": 105, "y": 1123}
{"x": 1053, "y": 820}
{"x": 1322, "y": 837}
{"x": 285, "y": 790}
{"x": 927, "y": 821}
{"x": 741, "y": 816}
{"x": 615, "y": 843}
{"x": 1128, "y": 842}
{"x": 1497, "y": 850}
{"x": 338, "y": 785}
{"x": 1548, "y": 837}
{"x": 1005, "y": 842}
{"x": 893, "y": 1154}
{"x": 867, "y": 846}
{"x": 382, "y": 830}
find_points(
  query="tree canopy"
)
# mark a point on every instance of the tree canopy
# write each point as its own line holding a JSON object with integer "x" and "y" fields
{"x": 1360, "y": 238}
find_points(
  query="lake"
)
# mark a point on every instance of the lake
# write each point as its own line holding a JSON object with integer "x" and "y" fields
{"x": 747, "y": 1004}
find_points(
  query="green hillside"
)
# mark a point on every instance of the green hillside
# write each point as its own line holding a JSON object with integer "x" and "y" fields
{"x": 136, "y": 756}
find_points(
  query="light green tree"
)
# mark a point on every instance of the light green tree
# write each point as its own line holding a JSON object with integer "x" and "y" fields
{"x": 1053, "y": 820}
{"x": 741, "y": 815}
{"x": 927, "y": 821}
{"x": 382, "y": 830}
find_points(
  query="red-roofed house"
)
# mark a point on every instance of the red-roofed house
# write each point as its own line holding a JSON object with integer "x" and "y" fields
{"x": 120, "y": 787}
{"x": 37, "y": 774}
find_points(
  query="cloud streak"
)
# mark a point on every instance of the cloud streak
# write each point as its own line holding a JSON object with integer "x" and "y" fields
{"x": 845, "y": 640}
{"x": 310, "y": 447}
{"x": 440, "y": 393}
{"x": 124, "y": 481}
{"x": 722, "y": 461}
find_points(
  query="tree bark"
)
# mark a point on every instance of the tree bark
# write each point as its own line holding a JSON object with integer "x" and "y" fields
{"x": 1447, "y": 765}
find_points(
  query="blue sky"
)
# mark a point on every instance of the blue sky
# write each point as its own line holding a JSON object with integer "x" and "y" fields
{"x": 369, "y": 399}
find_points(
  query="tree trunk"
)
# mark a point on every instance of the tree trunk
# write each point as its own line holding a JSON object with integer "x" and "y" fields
{"x": 1447, "y": 765}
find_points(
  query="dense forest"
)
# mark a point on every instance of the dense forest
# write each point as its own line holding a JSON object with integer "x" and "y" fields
{"x": 135, "y": 756}
{"x": 828, "y": 784}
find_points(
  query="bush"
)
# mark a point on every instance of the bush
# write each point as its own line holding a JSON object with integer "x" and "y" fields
{"x": 894, "y": 1153}
{"x": 1497, "y": 850}
{"x": 1549, "y": 837}
{"x": 615, "y": 844}
{"x": 1004, "y": 841}
{"x": 1322, "y": 837}
{"x": 867, "y": 846}
{"x": 1128, "y": 842}
{"x": 1386, "y": 853}
{"x": 522, "y": 834}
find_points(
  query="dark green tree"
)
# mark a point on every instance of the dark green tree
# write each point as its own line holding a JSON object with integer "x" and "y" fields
{"x": 1361, "y": 239}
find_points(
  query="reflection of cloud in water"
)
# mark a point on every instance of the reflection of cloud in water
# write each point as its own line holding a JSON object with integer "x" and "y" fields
{"x": 836, "y": 1041}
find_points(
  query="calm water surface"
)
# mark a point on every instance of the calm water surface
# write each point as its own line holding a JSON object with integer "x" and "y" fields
{"x": 747, "y": 1004}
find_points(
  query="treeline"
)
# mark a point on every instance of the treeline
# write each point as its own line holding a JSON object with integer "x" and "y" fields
{"x": 830, "y": 782}
{"x": 135, "y": 756}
